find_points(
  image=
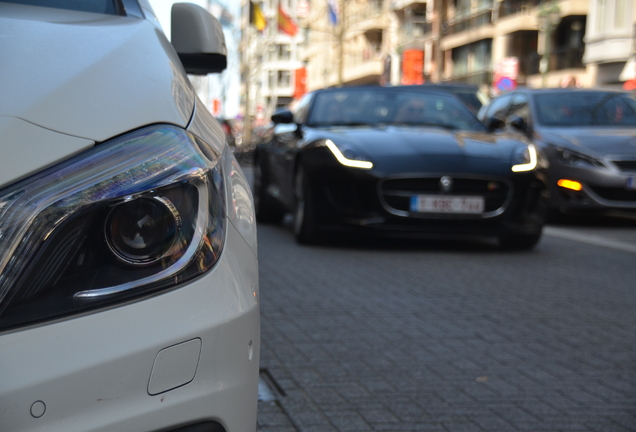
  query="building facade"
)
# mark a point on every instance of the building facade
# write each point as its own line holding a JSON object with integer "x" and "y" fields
{"x": 552, "y": 43}
{"x": 609, "y": 40}
{"x": 271, "y": 59}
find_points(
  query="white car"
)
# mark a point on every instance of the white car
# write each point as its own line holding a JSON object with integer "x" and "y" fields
{"x": 128, "y": 270}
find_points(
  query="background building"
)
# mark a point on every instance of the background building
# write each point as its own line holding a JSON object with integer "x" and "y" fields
{"x": 537, "y": 43}
{"x": 272, "y": 65}
{"x": 609, "y": 41}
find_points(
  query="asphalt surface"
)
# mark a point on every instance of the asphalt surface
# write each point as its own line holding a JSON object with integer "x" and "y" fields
{"x": 450, "y": 336}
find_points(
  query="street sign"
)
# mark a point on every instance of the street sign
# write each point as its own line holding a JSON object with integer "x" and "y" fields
{"x": 505, "y": 74}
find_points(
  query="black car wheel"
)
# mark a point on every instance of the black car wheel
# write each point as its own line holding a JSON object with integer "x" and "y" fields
{"x": 265, "y": 207}
{"x": 519, "y": 241}
{"x": 305, "y": 227}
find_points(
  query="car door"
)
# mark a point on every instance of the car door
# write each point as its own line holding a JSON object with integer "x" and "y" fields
{"x": 285, "y": 144}
{"x": 518, "y": 115}
{"x": 281, "y": 151}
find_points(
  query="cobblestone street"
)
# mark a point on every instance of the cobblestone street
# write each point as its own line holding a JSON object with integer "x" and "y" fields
{"x": 434, "y": 336}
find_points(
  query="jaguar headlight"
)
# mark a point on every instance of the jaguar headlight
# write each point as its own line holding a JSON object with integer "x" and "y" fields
{"x": 526, "y": 159}
{"x": 569, "y": 157}
{"x": 128, "y": 218}
{"x": 348, "y": 157}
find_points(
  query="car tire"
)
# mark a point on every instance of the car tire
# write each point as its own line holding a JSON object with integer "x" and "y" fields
{"x": 305, "y": 224}
{"x": 265, "y": 207}
{"x": 519, "y": 241}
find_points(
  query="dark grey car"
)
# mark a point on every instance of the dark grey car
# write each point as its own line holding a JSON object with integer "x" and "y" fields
{"x": 588, "y": 136}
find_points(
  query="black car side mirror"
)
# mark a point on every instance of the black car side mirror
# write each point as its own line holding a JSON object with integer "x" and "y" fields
{"x": 283, "y": 117}
{"x": 493, "y": 123}
{"x": 518, "y": 123}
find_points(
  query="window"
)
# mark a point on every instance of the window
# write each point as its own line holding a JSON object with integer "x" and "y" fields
{"x": 284, "y": 78}
{"x": 96, "y": 6}
{"x": 302, "y": 109}
{"x": 283, "y": 52}
{"x": 619, "y": 14}
{"x": 577, "y": 109}
{"x": 519, "y": 106}
{"x": 600, "y": 15}
{"x": 497, "y": 108}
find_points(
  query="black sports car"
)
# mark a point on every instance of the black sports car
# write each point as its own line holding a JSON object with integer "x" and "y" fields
{"x": 588, "y": 136}
{"x": 398, "y": 161}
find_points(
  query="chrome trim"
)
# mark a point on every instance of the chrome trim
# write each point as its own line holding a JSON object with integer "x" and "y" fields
{"x": 605, "y": 203}
{"x": 141, "y": 261}
{"x": 613, "y": 160}
{"x": 484, "y": 215}
{"x": 201, "y": 183}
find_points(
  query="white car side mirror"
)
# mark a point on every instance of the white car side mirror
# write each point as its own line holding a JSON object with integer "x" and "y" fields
{"x": 198, "y": 39}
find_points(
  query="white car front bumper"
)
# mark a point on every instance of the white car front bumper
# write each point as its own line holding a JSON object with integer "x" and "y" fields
{"x": 92, "y": 372}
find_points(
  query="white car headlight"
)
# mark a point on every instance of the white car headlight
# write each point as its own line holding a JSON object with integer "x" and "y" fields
{"x": 139, "y": 214}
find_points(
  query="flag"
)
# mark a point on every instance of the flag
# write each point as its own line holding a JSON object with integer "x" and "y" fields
{"x": 285, "y": 23}
{"x": 332, "y": 5}
{"x": 256, "y": 16}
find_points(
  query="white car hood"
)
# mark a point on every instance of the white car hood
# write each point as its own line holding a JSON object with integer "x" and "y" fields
{"x": 90, "y": 76}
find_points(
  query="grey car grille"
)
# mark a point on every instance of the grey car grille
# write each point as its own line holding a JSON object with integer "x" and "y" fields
{"x": 625, "y": 165}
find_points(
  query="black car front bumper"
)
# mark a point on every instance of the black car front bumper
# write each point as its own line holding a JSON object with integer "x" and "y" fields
{"x": 363, "y": 201}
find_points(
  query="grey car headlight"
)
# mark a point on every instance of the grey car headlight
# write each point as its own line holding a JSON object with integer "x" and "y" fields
{"x": 134, "y": 216}
{"x": 569, "y": 157}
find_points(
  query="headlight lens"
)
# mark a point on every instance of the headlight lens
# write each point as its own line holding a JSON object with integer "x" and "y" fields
{"x": 573, "y": 158}
{"x": 525, "y": 159}
{"x": 347, "y": 156}
{"x": 134, "y": 216}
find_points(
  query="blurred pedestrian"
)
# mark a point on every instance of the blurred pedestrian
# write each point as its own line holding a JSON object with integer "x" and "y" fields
{"x": 570, "y": 81}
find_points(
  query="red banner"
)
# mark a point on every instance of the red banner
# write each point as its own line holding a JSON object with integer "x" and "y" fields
{"x": 300, "y": 82}
{"x": 412, "y": 67}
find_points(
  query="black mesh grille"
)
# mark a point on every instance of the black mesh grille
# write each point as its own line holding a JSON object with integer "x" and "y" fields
{"x": 397, "y": 192}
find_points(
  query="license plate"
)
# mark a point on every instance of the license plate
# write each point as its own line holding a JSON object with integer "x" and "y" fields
{"x": 631, "y": 183}
{"x": 447, "y": 204}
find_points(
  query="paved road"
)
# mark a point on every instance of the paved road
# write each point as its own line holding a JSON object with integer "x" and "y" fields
{"x": 433, "y": 336}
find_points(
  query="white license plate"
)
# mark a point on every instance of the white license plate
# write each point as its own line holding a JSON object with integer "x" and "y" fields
{"x": 447, "y": 204}
{"x": 631, "y": 183}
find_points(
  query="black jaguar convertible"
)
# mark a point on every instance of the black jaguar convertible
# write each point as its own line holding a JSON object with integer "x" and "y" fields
{"x": 398, "y": 161}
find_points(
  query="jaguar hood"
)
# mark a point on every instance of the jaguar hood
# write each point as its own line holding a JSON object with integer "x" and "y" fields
{"x": 410, "y": 149}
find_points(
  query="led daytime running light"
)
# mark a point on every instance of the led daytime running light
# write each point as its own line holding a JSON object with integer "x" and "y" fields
{"x": 344, "y": 161}
{"x": 530, "y": 165}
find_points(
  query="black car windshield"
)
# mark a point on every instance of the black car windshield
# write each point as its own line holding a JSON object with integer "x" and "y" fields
{"x": 390, "y": 106}
{"x": 587, "y": 108}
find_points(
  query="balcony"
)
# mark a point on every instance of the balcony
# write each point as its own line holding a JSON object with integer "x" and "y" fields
{"x": 401, "y": 4}
{"x": 471, "y": 23}
{"x": 415, "y": 32}
{"x": 472, "y": 78}
{"x": 560, "y": 59}
{"x": 567, "y": 58}
{"x": 512, "y": 7}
